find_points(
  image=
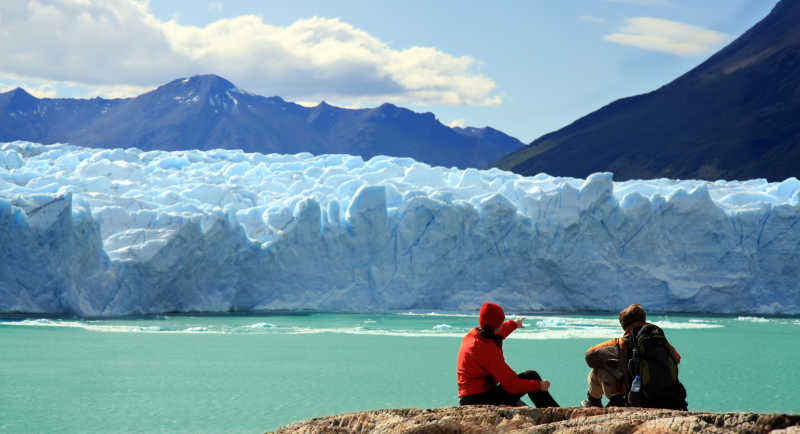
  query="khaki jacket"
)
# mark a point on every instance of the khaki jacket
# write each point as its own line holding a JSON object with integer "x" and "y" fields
{"x": 612, "y": 355}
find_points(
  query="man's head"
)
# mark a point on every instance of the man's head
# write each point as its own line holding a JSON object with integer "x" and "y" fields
{"x": 631, "y": 315}
{"x": 492, "y": 316}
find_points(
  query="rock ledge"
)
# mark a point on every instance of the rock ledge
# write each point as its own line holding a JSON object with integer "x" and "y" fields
{"x": 492, "y": 419}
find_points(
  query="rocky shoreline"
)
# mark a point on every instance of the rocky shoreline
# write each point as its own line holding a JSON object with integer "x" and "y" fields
{"x": 494, "y": 419}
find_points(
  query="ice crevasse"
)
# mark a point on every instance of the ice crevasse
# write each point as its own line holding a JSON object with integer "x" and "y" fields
{"x": 105, "y": 232}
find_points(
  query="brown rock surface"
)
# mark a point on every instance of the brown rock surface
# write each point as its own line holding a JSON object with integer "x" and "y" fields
{"x": 491, "y": 419}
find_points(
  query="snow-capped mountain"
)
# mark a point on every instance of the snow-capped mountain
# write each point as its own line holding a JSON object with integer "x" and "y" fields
{"x": 209, "y": 112}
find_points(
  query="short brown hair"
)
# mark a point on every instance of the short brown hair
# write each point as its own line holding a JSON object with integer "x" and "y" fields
{"x": 631, "y": 314}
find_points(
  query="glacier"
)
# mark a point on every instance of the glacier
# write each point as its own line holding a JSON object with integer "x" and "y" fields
{"x": 110, "y": 232}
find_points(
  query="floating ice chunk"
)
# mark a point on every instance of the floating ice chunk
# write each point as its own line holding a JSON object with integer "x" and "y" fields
{"x": 752, "y": 319}
{"x": 37, "y": 322}
{"x": 684, "y": 325}
{"x": 551, "y": 322}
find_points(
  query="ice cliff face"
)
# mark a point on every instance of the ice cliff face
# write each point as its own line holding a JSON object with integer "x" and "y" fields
{"x": 113, "y": 232}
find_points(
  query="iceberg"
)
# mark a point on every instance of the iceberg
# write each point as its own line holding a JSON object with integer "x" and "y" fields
{"x": 108, "y": 232}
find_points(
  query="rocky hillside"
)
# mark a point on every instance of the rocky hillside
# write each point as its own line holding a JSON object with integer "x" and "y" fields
{"x": 735, "y": 116}
{"x": 491, "y": 419}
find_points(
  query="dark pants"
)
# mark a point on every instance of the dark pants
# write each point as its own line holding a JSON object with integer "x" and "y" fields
{"x": 499, "y": 396}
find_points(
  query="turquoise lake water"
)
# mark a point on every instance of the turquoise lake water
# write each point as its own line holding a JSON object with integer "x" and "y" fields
{"x": 256, "y": 373}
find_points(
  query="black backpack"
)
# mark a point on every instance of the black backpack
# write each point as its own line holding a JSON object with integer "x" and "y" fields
{"x": 651, "y": 359}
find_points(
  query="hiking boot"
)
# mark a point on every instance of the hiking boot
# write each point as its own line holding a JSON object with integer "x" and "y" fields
{"x": 617, "y": 401}
{"x": 591, "y": 402}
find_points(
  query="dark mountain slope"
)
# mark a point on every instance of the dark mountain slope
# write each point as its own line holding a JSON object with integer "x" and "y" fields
{"x": 735, "y": 116}
{"x": 206, "y": 112}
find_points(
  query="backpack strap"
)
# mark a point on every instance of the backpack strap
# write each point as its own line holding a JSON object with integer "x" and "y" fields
{"x": 633, "y": 361}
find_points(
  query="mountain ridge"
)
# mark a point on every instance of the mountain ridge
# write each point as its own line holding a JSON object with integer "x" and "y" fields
{"x": 734, "y": 116}
{"x": 208, "y": 111}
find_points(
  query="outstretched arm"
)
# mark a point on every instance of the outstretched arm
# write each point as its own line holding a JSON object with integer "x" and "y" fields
{"x": 509, "y": 326}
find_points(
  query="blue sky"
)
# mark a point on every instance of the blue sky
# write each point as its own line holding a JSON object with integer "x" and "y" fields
{"x": 524, "y": 67}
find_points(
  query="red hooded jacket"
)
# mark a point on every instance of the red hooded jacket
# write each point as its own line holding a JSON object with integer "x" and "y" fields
{"x": 481, "y": 365}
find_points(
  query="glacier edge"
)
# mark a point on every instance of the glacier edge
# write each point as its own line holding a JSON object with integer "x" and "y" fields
{"x": 382, "y": 236}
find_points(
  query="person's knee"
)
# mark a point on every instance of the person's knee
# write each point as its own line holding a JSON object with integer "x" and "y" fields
{"x": 595, "y": 386}
{"x": 596, "y": 377}
{"x": 601, "y": 382}
{"x": 529, "y": 375}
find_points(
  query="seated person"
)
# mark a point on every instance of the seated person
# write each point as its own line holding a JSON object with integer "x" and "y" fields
{"x": 611, "y": 373}
{"x": 483, "y": 375}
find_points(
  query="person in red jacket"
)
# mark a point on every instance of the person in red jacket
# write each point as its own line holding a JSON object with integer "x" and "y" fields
{"x": 484, "y": 377}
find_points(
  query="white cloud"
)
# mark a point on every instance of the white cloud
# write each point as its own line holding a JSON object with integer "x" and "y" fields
{"x": 54, "y": 89}
{"x": 307, "y": 103}
{"x": 118, "y": 91}
{"x": 45, "y": 90}
{"x": 460, "y": 123}
{"x": 110, "y": 44}
{"x": 667, "y": 36}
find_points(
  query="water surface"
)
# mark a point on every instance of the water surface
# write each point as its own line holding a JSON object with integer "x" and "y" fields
{"x": 255, "y": 373}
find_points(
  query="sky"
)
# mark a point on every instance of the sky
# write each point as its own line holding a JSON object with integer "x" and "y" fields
{"x": 525, "y": 67}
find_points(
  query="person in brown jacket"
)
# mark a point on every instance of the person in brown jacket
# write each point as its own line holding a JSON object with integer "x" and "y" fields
{"x": 609, "y": 362}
